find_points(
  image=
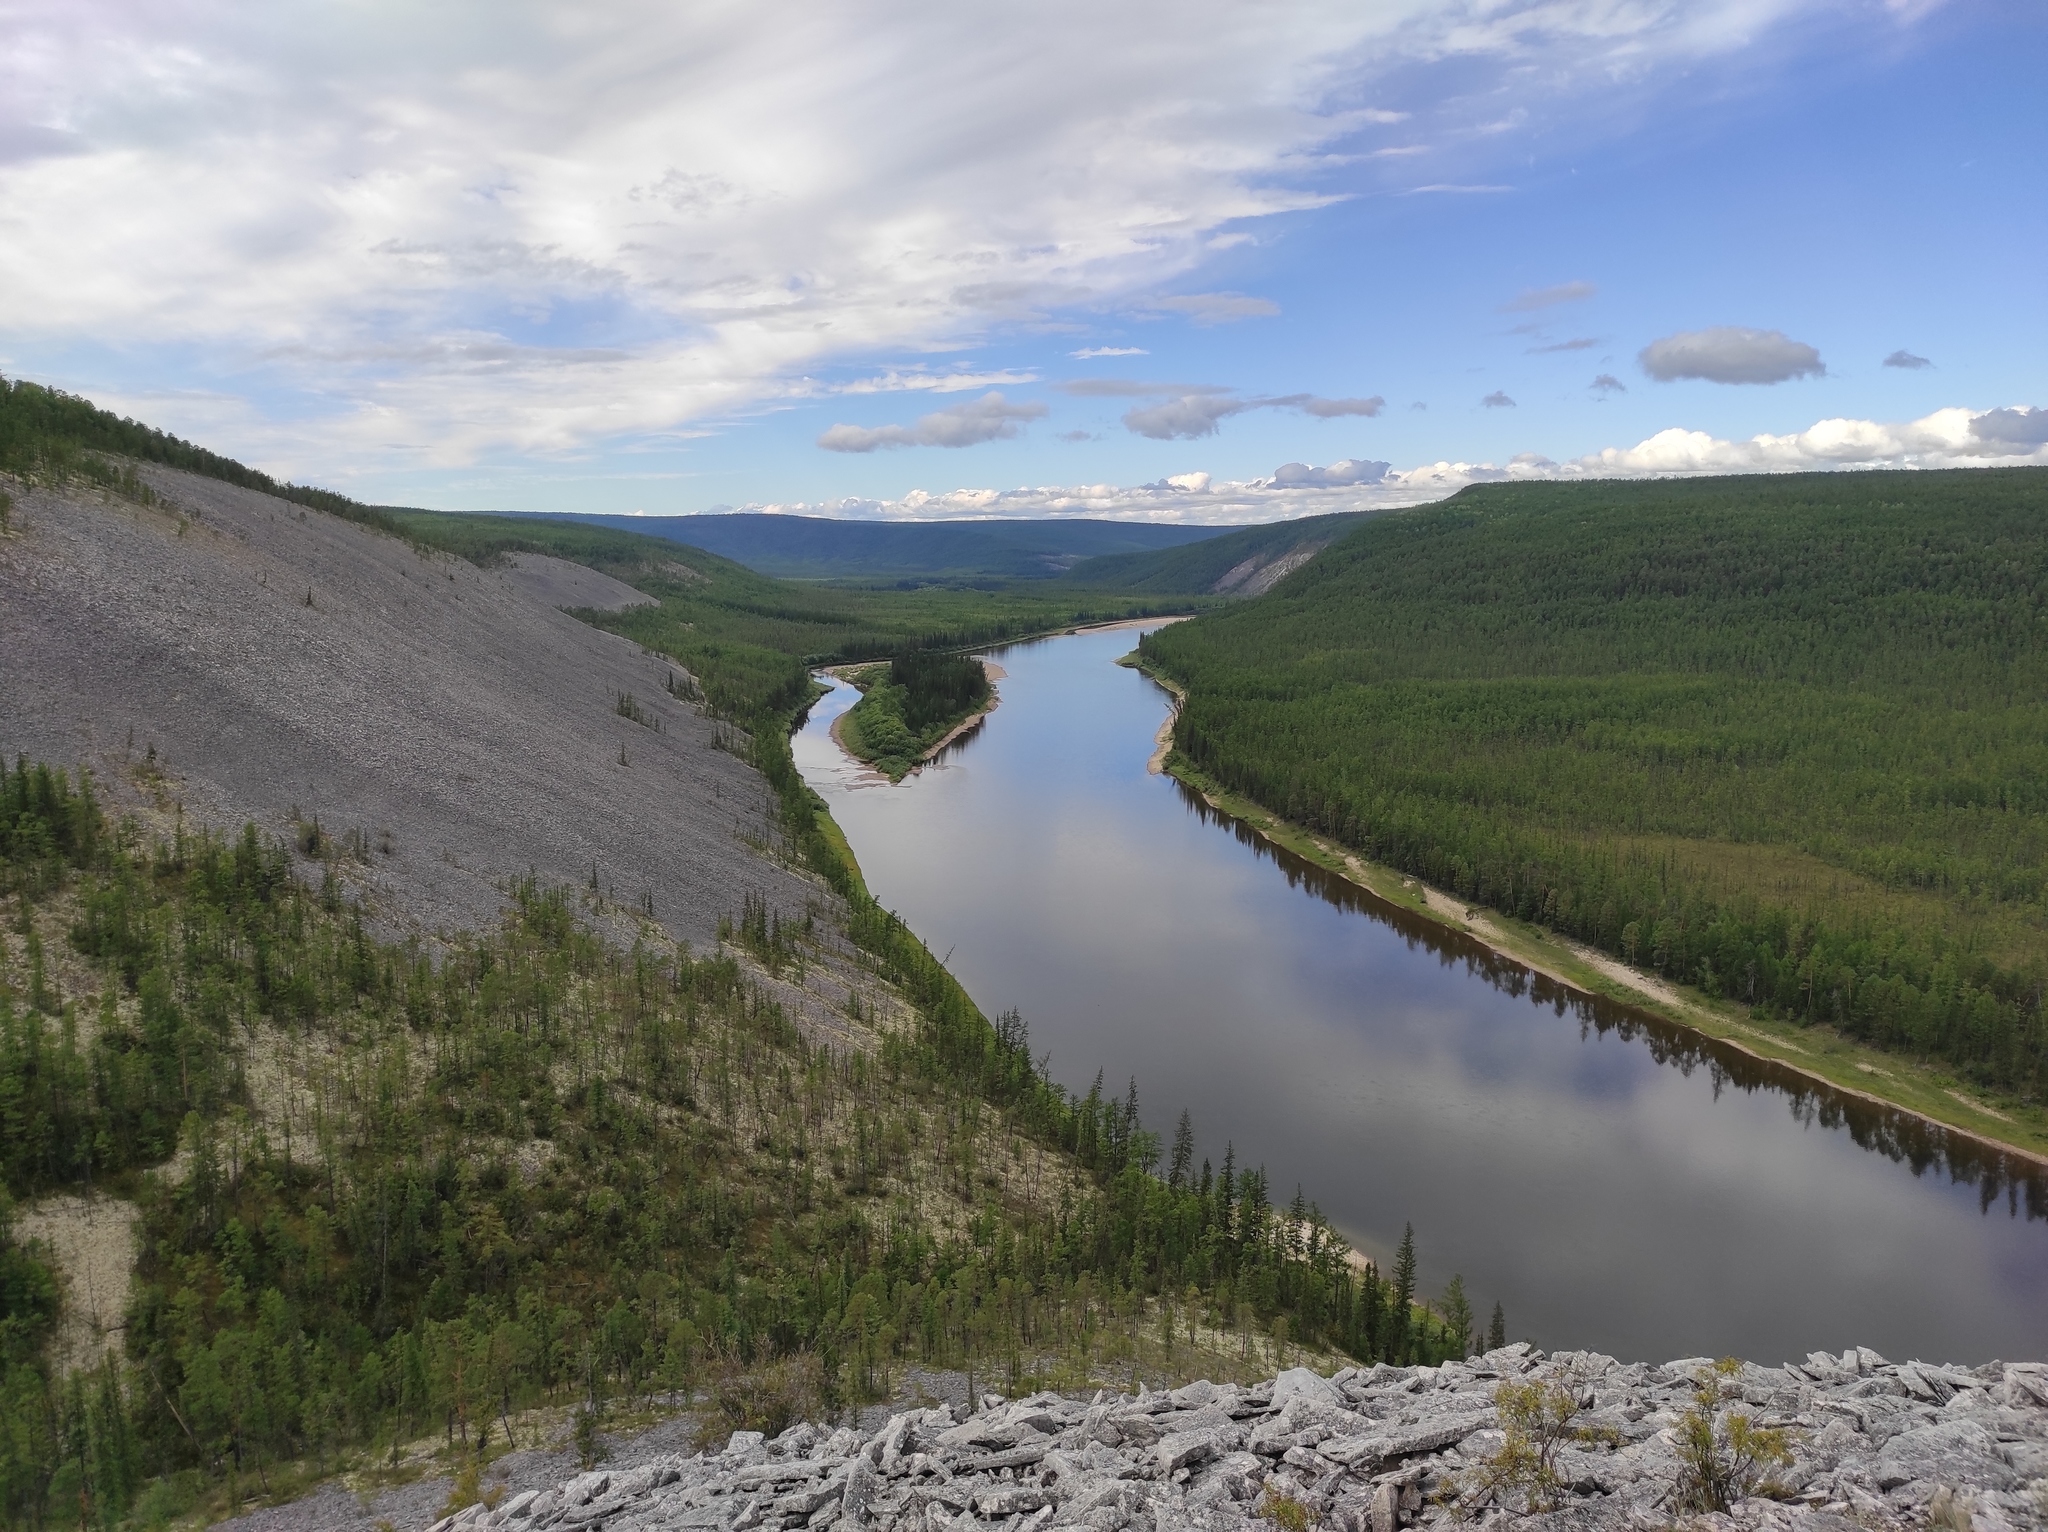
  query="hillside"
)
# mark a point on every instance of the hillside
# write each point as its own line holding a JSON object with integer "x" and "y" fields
{"x": 871, "y": 552}
{"x": 1241, "y": 563}
{"x": 425, "y": 1015}
{"x": 1781, "y": 739}
{"x": 256, "y": 661}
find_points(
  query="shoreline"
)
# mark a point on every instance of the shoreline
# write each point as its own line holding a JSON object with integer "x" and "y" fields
{"x": 1629, "y": 986}
{"x": 972, "y": 721}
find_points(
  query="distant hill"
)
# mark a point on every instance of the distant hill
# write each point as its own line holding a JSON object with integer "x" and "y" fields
{"x": 822, "y": 548}
{"x": 1246, "y": 562}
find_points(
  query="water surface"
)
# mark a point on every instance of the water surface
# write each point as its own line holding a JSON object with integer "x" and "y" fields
{"x": 1615, "y": 1182}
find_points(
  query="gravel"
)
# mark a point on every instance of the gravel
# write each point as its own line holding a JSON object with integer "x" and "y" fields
{"x": 282, "y": 662}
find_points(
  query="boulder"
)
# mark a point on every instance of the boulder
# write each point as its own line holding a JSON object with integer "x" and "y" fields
{"x": 1948, "y": 1452}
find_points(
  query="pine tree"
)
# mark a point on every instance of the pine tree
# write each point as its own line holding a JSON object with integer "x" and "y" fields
{"x": 1404, "y": 1297}
{"x": 1183, "y": 1152}
{"x": 1497, "y": 1330}
{"x": 1458, "y": 1318}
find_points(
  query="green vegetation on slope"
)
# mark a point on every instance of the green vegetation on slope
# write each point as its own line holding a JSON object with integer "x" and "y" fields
{"x": 1221, "y": 565}
{"x": 420, "y": 1194}
{"x": 46, "y": 434}
{"x": 1784, "y": 739}
{"x": 871, "y": 552}
{"x": 909, "y": 705}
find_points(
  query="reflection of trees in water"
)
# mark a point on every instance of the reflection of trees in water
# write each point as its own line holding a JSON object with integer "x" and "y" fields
{"x": 1897, "y": 1135}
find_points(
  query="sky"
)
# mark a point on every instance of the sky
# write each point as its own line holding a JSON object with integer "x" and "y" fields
{"x": 1211, "y": 261}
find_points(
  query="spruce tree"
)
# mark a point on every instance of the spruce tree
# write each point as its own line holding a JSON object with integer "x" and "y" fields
{"x": 1183, "y": 1152}
{"x": 1403, "y": 1296}
{"x": 1497, "y": 1330}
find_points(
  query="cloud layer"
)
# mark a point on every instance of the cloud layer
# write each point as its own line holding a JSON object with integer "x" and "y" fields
{"x": 399, "y": 236}
{"x": 1730, "y": 354}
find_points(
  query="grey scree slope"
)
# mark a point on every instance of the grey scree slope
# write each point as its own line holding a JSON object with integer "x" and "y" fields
{"x": 451, "y": 708}
{"x": 1875, "y": 1446}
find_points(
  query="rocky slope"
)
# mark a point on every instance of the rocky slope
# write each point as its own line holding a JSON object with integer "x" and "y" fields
{"x": 245, "y": 658}
{"x": 1872, "y": 1445}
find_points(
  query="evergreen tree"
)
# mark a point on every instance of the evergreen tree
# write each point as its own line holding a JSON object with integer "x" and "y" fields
{"x": 1399, "y": 1332}
{"x": 1458, "y": 1318}
{"x": 1183, "y": 1152}
{"x": 1497, "y": 1330}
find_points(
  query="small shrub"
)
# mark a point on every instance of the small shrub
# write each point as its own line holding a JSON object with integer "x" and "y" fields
{"x": 1723, "y": 1455}
{"x": 768, "y": 1398}
{"x": 1285, "y": 1512}
{"x": 1538, "y": 1416}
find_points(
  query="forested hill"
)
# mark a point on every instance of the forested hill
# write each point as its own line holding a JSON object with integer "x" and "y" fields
{"x": 1240, "y": 563}
{"x": 1782, "y": 738}
{"x": 823, "y": 548}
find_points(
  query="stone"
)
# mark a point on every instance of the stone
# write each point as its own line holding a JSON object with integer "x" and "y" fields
{"x": 1386, "y": 1507}
{"x": 1184, "y": 1449}
{"x": 1948, "y": 1452}
{"x": 1301, "y": 1382}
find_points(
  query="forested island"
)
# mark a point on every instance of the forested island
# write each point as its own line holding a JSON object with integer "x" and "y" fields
{"x": 910, "y": 707}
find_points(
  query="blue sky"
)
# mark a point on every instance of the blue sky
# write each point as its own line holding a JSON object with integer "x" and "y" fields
{"x": 527, "y": 259}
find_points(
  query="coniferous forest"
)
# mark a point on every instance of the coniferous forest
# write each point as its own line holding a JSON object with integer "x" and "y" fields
{"x": 1784, "y": 739}
{"x": 536, "y": 1168}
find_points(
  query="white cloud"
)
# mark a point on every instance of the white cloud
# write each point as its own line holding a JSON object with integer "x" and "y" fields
{"x": 1608, "y": 383}
{"x": 1949, "y": 438}
{"x": 1088, "y": 353}
{"x": 1536, "y": 298}
{"x": 894, "y": 382}
{"x": 415, "y": 235}
{"x": 989, "y": 418}
{"x": 1730, "y": 354}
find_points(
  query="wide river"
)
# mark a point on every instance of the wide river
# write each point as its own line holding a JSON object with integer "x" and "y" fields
{"x": 1614, "y": 1182}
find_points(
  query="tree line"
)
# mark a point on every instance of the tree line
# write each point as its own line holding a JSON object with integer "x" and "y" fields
{"x": 1781, "y": 738}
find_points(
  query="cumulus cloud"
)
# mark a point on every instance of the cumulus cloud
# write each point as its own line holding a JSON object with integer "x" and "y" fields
{"x": 1948, "y": 438}
{"x": 1537, "y": 298}
{"x": 1217, "y": 308}
{"x": 2019, "y": 428}
{"x": 1730, "y": 354}
{"x": 1089, "y": 352}
{"x": 1907, "y": 360}
{"x": 1337, "y": 475}
{"x": 989, "y": 418}
{"x": 1608, "y": 383}
{"x": 1497, "y": 400}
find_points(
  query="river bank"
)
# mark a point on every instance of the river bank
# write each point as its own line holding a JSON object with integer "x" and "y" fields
{"x": 1819, "y": 1053}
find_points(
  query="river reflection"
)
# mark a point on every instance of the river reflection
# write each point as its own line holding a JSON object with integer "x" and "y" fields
{"x": 1615, "y": 1181}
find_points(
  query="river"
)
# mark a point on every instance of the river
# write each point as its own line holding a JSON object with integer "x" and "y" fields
{"x": 1614, "y": 1182}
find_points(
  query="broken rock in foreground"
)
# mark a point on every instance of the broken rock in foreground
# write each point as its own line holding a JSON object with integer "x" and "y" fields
{"x": 1872, "y": 1445}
